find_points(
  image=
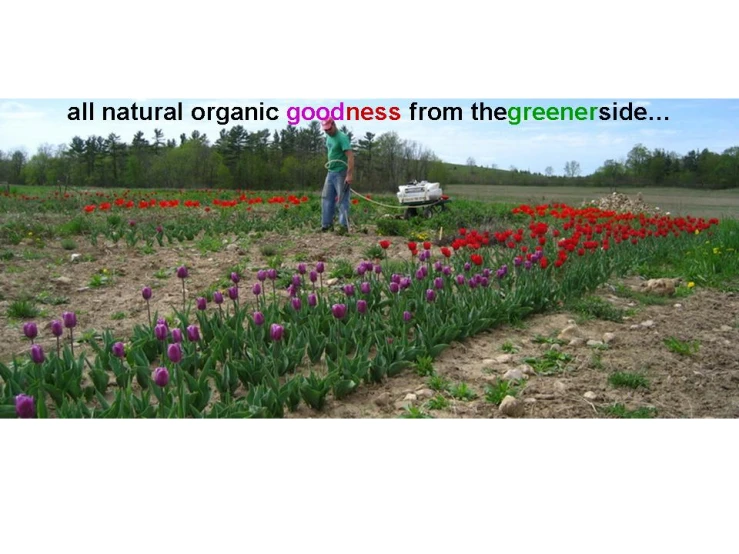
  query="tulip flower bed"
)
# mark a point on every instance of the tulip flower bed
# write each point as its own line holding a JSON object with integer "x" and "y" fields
{"x": 282, "y": 337}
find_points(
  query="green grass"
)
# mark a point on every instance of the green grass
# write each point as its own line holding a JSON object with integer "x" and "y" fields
{"x": 23, "y": 309}
{"x": 620, "y": 411}
{"x": 684, "y": 348}
{"x": 628, "y": 380}
{"x": 499, "y": 389}
{"x": 593, "y": 307}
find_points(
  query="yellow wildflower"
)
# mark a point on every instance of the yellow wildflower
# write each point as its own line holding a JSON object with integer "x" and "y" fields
{"x": 691, "y": 285}
{"x": 716, "y": 250}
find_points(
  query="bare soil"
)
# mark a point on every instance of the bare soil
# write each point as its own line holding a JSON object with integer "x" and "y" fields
{"x": 702, "y": 385}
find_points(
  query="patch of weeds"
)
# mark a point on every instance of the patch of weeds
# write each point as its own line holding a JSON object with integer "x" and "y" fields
{"x": 68, "y": 244}
{"x": 541, "y": 339}
{"x": 88, "y": 258}
{"x": 90, "y": 335}
{"x": 438, "y": 402}
{"x": 301, "y": 257}
{"x": 275, "y": 262}
{"x": 100, "y": 279}
{"x": 46, "y": 297}
{"x": 209, "y": 243}
{"x": 342, "y": 269}
{"x": 30, "y": 255}
{"x": 684, "y": 348}
{"x": 550, "y": 363}
{"x": 414, "y": 412}
{"x": 147, "y": 250}
{"x": 438, "y": 383}
{"x": 593, "y": 307}
{"x": 462, "y": 391}
{"x": 425, "y": 366}
{"x": 595, "y": 361}
{"x": 647, "y": 299}
{"x": 6, "y": 255}
{"x": 499, "y": 389}
{"x": 14, "y": 269}
{"x": 509, "y": 348}
{"x": 620, "y": 411}
{"x": 628, "y": 379}
{"x": 23, "y": 309}
{"x": 268, "y": 251}
{"x": 162, "y": 273}
{"x": 118, "y": 316}
{"x": 392, "y": 227}
{"x": 373, "y": 252}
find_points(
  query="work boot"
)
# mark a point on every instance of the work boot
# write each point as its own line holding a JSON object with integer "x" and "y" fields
{"x": 342, "y": 230}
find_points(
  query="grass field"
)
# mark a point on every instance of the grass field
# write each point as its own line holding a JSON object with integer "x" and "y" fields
{"x": 723, "y": 204}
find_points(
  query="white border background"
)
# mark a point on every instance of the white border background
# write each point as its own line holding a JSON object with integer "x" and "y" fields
{"x": 368, "y": 486}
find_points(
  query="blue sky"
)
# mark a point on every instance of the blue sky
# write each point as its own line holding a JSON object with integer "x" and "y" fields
{"x": 533, "y": 145}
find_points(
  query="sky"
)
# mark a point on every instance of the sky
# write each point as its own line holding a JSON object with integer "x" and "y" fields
{"x": 27, "y": 123}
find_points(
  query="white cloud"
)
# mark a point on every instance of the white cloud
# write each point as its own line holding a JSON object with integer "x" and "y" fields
{"x": 16, "y": 110}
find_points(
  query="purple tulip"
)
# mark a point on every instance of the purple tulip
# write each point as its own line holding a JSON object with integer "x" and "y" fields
{"x": 182, "y": 272}
{"x": 233, "y": 293}
{"x": 437, "y": 266}
{"x": 365, "y": 287}
{"x": 56, "y": 328}
{"x": 447, "y": 270}
{"x": 395, "y": 278}
{"x": 424, "y": 269}
{"x": 257, "y": 289}
{"x": 296, "y": 280}
{"x": 472, "y": 283}
{"x": 30, "y": 330}
{"x": 394, "y": 288}
{"x": 313, "y": 276}
{"x": 272, "y": 274}
{"x": 261, "y": 275}
{"x": 405, "y": 282}
{"x": 517, "y": 261}
{"x": 339, "y": 310}
{"x": 486, "y": 272}
{"x": 218, "y": 297}
{"x": 430, "y": 295}
{"x": 193, "y": 333}
{"x": 301, "y": 268}
{"x": 25, "y": 406}
{"x": 292, "y": 290}
{"x": 419, "y": 274}
{"x": 174, "y": 352}
{"x": 296, "y": 303}
{"x": 319, "y": 267}
{"x": 131, "y": 223}
{"x": 460, "y": 279}
{"x": 160, "y": 229}
{"x": 37, "y": 354}
{"x": 258, "y": 318}
{"x": 69, "y": 319}
{"x": 161, "y": 332}
{"x": 118, "y": 350}
{"x": 146, "y": 293}
{"x": 361, "y": 269}
{"x": 162, "y": 321}
{"x": 349, "y": 290}
{"x": 202, "y": 303}
{"x": 527, "y": 264}
{"x": 312, "y": 300}
{"x": 362, "y": 306}
{"x": 407, "y": 316}
{"x": 177, "y": 335}
{"x": 439, "y": 283}
{"x": 275, "y": 332}
{"x": 161, "y": 376}
{"x": 378, "y": 269}
{"x": 484, "y": 282}
{"x": 467, "y": 266}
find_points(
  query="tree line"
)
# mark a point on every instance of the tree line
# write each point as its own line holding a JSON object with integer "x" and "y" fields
{"x": 238, "y": 159}
{"x": 295, "y": 158}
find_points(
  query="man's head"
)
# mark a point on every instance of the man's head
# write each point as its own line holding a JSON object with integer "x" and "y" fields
{"x": 329, "y": 126}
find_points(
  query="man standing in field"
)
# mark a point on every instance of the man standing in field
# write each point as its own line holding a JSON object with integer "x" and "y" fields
{"x": 339, "y": 177}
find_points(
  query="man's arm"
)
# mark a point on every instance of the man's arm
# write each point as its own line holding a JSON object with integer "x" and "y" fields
{"x": 350, "y": 164}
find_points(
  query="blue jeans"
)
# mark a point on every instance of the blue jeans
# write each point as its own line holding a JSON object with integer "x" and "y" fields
{"x": 332, "y": 190}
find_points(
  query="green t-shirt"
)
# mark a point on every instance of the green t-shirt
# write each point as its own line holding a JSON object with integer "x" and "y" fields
{"x": 336, "y": 146}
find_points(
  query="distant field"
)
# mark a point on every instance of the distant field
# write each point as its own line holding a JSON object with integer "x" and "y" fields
{"x": 723, "y": 204}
